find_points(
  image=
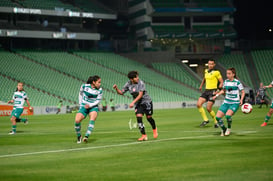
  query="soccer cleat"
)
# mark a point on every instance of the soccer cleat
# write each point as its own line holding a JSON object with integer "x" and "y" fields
{"x": 155, "y": 133}
{"x": 11, "y": 132}
{"x": 85, "y": 139}
{"x": 223, "y": 132}
{"x": 26, "y": 122}
{"x": 143, "y": 138}
{"x": 227, "y": 133}
{"x": 79, "y": 139}
{"x": 264, "y": 124}
{"x": 204, "y": 123}
{"x": 216, "y": 126}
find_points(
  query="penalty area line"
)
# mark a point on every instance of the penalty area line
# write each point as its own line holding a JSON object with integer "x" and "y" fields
{"x": 100, "y": 147}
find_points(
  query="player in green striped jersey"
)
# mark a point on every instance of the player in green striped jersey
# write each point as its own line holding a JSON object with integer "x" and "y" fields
{"x": 19, "y": 98}
{"x": 89, "y": 98}
{"x": 232, "y": 87}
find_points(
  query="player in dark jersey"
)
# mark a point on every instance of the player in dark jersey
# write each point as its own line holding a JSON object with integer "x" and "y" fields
{"x": 142, "y": 102}
{"x": 261, "y": 93}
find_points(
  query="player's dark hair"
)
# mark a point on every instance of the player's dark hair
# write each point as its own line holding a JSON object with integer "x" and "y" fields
{"x": 132, "y": 74}
{"x": 20, "y": 83}
{"x": 92, "y": 79}
{"x": 212, "y": 60}
{"x": 233, "y": 71}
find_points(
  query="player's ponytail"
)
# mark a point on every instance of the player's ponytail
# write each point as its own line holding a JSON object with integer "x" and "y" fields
{"x": 92, "y": 79}
{"x": 234, "y": 72}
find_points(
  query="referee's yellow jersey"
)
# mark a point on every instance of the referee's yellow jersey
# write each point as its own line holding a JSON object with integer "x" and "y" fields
{"x": 212, "y": 78}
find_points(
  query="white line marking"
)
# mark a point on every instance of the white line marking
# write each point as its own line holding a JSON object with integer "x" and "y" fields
{"x": 111, "y": 146}
{"x": 99, "y": 147}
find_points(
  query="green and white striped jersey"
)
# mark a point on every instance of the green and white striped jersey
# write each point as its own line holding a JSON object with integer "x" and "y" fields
{"x": 89, "y": 95}
{"x": 233, "y": 89}
{"x": 19, "y": 98}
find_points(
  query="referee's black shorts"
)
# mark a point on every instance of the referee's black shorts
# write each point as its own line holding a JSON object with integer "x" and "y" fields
{"x": 208, "y": 94}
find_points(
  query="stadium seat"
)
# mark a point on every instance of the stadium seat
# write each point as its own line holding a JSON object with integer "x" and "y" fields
{"x": 237, "y": 61}
{"x": 263, "y": 61}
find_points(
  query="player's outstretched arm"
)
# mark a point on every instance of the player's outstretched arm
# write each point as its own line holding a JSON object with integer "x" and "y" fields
{"x": 11, "y": 101}
{"x": 218, "y": 94}
{"x": 202, "y": 83}
{"x": 221, "y": 82}
{"x": 117, "y": 89}
{"x": 269, "y": 86}
{"x": 140, "y": 94}
{"x": 242, "y": 97}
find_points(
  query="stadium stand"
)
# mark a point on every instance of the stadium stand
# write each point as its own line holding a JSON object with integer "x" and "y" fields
{"x": 263, "y": 60}
{"x": 168, "y": 29}
{"x": 7, "y": 3}
{"x": 210, "y": 28}
{"x": 211, "y": 3}
{"x": 237, "y": 61}
{"x": 169, "y": 3}
{"x": 36, "y": 98}
{"x": 161, "y": 88}
{"x": 178, "y": 72}
{"x": 78, "y": 68}
{"x": 49, "y": 4}
{"x": 91, "y": 6}
{"x": 39, "y": 76}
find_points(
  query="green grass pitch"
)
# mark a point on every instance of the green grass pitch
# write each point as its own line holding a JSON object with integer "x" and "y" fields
{"x": 46, "y": 149}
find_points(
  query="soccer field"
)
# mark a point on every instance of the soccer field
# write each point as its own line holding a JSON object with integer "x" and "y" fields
{"x": 46, "y": 149}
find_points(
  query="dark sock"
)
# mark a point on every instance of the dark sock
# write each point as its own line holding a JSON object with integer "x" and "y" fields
{"x": 152, "y": 122}
{"x": 18, "y": 120}
{"x": 140, "y": 125}
{"x": 229, "y": 121}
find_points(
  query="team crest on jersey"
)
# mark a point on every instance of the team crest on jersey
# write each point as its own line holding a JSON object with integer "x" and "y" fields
{"x": 134, "y": 89}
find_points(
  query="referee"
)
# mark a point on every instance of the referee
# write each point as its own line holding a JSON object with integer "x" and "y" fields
{"x": 212, "y": 78}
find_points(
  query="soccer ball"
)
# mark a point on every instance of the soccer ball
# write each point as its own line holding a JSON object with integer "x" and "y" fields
{"x": 246, "y": 108}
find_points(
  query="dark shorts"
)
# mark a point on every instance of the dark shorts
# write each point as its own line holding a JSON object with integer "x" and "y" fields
{"x": 262, "y": 97}
{"x": 208, "y": 94}
{"x": 146, "y": 108}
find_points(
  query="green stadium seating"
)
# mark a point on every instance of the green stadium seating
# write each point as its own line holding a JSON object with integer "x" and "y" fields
{"x": 168, "y": 29}
{"x": 263, "y": 60}
{"x": 157, "y": 82}
{"x": 36, "y": 98}
{"x": 48, "y": 4}
{"x": 79, "y": 68}
{"x": 210, "y": 28}
{"x": 178, "y": 72}
{"x": 237, "y": 61}
{"x": 7, "y": 3}
{"x": 89, "y": 6}
{"x": 61, "y": 74}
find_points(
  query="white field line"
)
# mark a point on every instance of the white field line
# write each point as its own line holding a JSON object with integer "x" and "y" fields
{"x": 111, "y": 146}
{"x": 99, "y": 147}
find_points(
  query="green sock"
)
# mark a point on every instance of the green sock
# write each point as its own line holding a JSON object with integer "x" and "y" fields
{"x": 221, "y": 123}
{"x": 13, "y": 128}
{"x": 266, "y": 118}
{"x": 90, "y": 128}
{"x": 229, "y": 121}
{"x": 78, "y": 129}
